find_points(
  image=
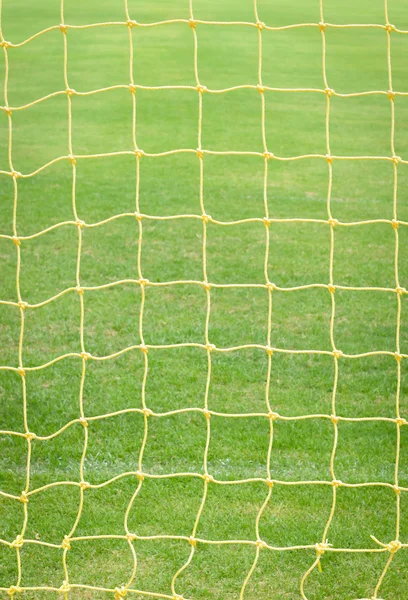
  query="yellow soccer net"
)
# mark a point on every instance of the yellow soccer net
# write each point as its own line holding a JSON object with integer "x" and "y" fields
{"x": 265, "y": 154}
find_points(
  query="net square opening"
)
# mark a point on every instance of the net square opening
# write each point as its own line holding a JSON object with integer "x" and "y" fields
{"x": 236, "y": 254}
{"x": 175, "y": 314}
{"x": 172, "y": 250}
{"x": 112, "y": 318}
{"x": 109, "y": 129}
{"x": 232, "y": 61}
{"x": 238, "y": 316}
{"x": 238, "y": 447}
{"x": 163, "y": 55}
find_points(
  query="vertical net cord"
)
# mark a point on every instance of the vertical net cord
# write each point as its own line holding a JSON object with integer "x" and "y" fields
{"x": 209, "y": 347}
{"x": 18, "y": 542}
{"x": 260, "y": 544}
{"x": 323, "y": 545}
{"x": 84, "y": 355}
{"x": 396, "y": 544}
{"x": 121, "y": 592}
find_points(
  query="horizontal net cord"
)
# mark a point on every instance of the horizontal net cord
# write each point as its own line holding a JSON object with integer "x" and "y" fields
{"x": 132, "y": 537}
{"x": 206, "y": 413}
{"x": 209, "y": 478}
{"x": 201, "y": 89}
{"x": 264, "y": 220}
{"x": 138, "y": 153}
{"x": 130, "y": 23}
{"x": 270, "y": 350}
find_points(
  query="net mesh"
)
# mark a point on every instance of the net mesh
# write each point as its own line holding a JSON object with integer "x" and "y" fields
{"x": 321, "y": 546}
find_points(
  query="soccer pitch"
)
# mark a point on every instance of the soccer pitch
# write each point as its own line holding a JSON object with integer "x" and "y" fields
{"x": 256, "y": 418}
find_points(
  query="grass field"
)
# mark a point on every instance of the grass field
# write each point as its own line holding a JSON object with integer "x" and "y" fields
{"x": 301, "y": 384}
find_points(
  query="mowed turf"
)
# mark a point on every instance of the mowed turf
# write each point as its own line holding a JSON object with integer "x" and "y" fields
{"x": 301, "y": 384}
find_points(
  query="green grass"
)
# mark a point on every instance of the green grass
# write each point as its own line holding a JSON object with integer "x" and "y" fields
{"x": 301, "y": 384}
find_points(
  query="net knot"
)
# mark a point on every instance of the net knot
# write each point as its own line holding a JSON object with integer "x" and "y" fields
{"x": 144, "y": 348}
{"x": 329, "y": 92}
{"x": 394, "y": 546}
{"x": 397, "y": 490}
{"x": 80, "y": 224}
{"x": 400, "y": 421}
{"x": 131, "y": 23}
{"x": 266, "y": 221}
{"x": 207, "y": 413}
{"x": 70, "y": 92}
{"x": 21, "y": 372}
{"x": 192, "y": 23}
{"x": 389, "y": 27}
{"x": 30, "y": 436}
{"x": 271, "y": 287}
{"x": 139, "y": 153}
{"x": 273, "y": 416}
{"x": 208, "y": 478}
{"x": 269, "y": 351}
{"x": 261, "y": 544}
{"x": 132, "y": 88}
{"x": 144, "y": 282}
{"x": 260, "y": 25}
{"x": 321, "y": 548}
{"x": 131, "y": 537}
{"x": 331, "y": 288}
{"x": 322, "y": 26}
{"x": 79, "y": 290}
{"x": 177, "y": 597}
{"x": 337, "y": 353}
{"x": 398, "y": 357}
{"x": 147, "y": 412}
{"x": 336, "y": 483}
{"x": 334, "y": 419}
{"x": 400, "y": 291}
{"x": 139, "y": 475}
{"x": 396, "y": 159}
{"x": 268, "y": 155}
{"x": 84, "y": 485}
{"x": 192, "y": 541}
{"x": 332, "y": 222}
{"x": 120, "y": 593}
{"x": 23, "y": 305}
{"x": 138, "y": 216}
{"x": 269, "y": 483}
{"x": 201, "y": 88}
{"x": 210, "y": 347}
{"x": 206, "y": 286}
{"x": 260, "y": 88}
{"x": 8, "y": 111}
{"x": 63, "y": 28}
{"x": 14, "y": 589}
{"x": 329, "y": 159}
{"x": 5, "y": 44}
{"x": 391, "y": 95}
{"x": 72, "y": 159}
{"x": 18, "y": 542}
{"x": 65, "y": 588}
{"x": 395, "y": 224}
{"x": 83, "y": 421}
{"x": 65, "y": 545}
{"x": 206, "y": 218}
{"x": 85, "y": 355}
{"x": 200, "y": 153}
{"x": 15, "y": 174}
